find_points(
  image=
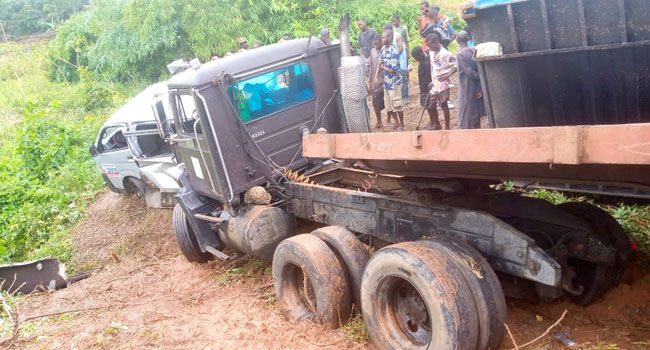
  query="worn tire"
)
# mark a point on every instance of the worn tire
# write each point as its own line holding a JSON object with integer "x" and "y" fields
{"x": 328, "y": 299}
{"x": 598, "y": 279}
{"x": 606, "y": 226}
{"x": 595, "y": 279}
{"x": 414, "y": 297}
{"x": 484, "y": 284}
{"x": 134, "y": 186}
{"x": 352, "y": 255}
{"x": 186, "y": 238}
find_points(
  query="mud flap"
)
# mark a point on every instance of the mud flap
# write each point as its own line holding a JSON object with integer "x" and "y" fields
{"x": 33, "y": 276}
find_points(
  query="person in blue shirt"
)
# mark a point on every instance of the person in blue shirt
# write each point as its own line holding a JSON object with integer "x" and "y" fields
{"x": 389, "y": 63}
{"x": 402, "y": 51}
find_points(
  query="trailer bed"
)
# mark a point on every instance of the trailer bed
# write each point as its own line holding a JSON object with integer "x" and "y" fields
{"x": 614, "y": 159}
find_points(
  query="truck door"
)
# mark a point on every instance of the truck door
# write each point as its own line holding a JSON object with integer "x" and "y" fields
{"x": 192, "y": 147}
{"x": 113, "y": 156}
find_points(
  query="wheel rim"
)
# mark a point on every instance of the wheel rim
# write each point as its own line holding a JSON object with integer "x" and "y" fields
{"x": 403, "y": 312}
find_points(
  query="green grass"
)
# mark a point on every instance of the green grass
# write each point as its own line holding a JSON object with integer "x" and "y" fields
{"x": 356, "y": 330}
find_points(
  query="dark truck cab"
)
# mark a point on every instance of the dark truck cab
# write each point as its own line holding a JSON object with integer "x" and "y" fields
{"x": 242, "y": 117}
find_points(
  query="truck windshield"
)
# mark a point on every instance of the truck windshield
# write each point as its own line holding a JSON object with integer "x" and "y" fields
{"x": 273, "y": 91}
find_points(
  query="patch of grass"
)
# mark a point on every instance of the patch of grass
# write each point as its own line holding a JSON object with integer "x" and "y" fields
{"x": 356, "y": 330}
{"x": 251, "y": 267}
{"x": 635, "y": 220}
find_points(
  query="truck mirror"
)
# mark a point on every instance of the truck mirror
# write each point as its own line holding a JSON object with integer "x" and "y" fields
{"x": 93, "y": 150}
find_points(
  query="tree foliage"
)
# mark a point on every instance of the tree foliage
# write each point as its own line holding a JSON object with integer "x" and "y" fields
{"x": 127, "y": 39}
{"x": 22, "y": 17}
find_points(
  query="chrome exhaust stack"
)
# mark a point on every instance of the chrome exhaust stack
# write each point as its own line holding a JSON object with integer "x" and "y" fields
{"x": 353, "y": 83}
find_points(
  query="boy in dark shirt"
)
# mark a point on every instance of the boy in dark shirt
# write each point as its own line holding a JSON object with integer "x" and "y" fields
{"x": 424, "y": 79}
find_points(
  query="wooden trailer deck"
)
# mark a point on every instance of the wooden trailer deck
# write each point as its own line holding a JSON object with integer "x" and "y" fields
{"x": 606, "y": 156}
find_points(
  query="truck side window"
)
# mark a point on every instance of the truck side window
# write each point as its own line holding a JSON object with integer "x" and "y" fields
{"x": 274, "y": 91}
{"x": 185, "y": 108}
{"x": 112, "y": 139}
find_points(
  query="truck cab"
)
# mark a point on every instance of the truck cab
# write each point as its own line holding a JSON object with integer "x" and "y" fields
{"x": 240, "y": 119}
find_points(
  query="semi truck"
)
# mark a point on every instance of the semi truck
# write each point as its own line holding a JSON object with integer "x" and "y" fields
{"x": 280, "y": 133}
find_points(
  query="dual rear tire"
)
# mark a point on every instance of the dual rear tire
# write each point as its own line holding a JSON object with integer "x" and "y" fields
{"x": 432, "y": 294}
{"x": 429, "y": 294}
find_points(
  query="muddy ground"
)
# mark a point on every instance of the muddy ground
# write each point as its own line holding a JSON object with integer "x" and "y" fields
{"x": 144, "y": 295}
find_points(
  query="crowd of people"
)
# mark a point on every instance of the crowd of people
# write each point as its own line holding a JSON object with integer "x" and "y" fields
{"x": 388, "y": 69}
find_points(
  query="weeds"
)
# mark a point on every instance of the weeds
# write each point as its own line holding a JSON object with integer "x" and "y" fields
{"x": 356, "y": 330}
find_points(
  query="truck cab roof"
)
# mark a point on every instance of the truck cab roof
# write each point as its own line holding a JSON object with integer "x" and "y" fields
{"x": 242, "y": 62}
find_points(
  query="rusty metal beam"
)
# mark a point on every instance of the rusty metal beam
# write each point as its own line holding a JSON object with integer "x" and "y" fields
{"x": 626, "y": 144}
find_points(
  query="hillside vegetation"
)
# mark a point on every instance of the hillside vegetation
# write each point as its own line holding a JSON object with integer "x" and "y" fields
{"x": 47, "y": 176}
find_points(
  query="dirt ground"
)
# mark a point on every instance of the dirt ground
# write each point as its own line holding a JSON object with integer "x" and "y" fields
{"x": 143, "y": 294}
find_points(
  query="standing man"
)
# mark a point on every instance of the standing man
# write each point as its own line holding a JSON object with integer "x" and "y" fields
{"x": 443, "y": 66}
{"x": 389, "y": 64}
{"x": 399, "y": 42}
{"x": 398, "y": 27}
{"x": 470, "y": 95}
{"x": 376, "y": 81}
{"x": 366, "y": 38}
{"x": 440, "y": 24}
{"x": 424, "y": 81}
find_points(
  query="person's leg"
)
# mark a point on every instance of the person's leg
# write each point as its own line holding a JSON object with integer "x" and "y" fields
{"x": 398, "y": 106}
{"x": 378, "y": 106}
{"x": 405, "y": 85}
{"x": 434, "y": 123}
{"x": 378, "y": 115}
{"x": 389, "y": 107}
{"x": 445, "y": 112}
{"x": 400, "y": 115}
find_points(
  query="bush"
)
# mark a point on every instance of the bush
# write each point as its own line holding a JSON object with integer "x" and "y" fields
{"x": 96, "y": 93}
{"x": 69, "y": 50}
{"x": 46, "y": 177}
